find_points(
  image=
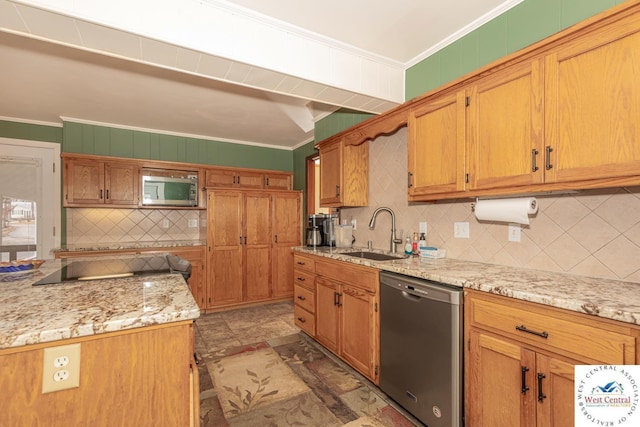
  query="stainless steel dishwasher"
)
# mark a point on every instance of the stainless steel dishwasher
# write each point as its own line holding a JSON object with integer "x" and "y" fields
{"x": 421, "y": 348}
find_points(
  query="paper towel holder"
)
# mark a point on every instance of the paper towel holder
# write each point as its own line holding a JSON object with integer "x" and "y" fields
{"x": 533, "y": 204}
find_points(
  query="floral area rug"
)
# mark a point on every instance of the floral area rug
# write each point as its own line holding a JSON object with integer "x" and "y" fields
{"x": 288, "y": 381}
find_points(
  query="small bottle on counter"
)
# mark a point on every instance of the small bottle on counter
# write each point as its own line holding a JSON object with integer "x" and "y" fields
{"x": 414, "y": 245}
{"x": 408, "y": 248}
{"x": 423, "y": 242}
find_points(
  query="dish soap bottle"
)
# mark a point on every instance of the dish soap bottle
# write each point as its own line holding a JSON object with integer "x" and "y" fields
{"x": 414, "y": 247}
{"x": 408, "y": 248}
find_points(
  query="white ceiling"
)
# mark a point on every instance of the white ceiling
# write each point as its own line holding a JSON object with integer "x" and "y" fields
{"x": 248, "y": 71}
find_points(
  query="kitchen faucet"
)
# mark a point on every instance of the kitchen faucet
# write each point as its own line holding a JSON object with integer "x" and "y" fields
{"x": 394, "y": 241}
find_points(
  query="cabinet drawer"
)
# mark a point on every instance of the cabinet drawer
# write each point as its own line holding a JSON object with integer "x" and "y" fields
{"x": 305, "y": 298}
{"x": 303, "y": 278}
{"x": 365, "y": 278}
{"x": 548, "y": 329}
{"x": 303, "y": 262}
{"x": 304, "y": 320}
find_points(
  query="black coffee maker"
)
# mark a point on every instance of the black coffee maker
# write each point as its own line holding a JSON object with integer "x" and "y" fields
{"x": 320, "y": 230}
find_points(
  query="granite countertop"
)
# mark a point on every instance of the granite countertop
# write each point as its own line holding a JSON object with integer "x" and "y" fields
{"x": 130, "y": 245}
{"x": 611, "y": 299}
{"x": 36, "y": 314}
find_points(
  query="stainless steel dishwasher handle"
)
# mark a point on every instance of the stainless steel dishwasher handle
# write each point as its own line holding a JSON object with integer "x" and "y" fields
{"x": 410, "y": 297}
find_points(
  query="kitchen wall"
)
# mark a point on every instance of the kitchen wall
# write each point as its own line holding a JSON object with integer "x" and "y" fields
{"x": 593, "y": 233}
{"x": 88, "y": 227}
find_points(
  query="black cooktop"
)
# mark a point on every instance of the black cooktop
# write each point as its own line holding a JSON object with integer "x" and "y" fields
{"x": 95, "y": 269}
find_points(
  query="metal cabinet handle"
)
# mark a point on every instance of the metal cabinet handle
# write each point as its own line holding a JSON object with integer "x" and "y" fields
{"x": 336, "y": 299}
{"x": 300, "y": 263}
{"x": 542, "y": 334}
{"x": 300, "y": 279}
{"x": 547, "y": 158}
{"x": 101, "y": 194}
{"x": 301, "y": 298}
{"x": 107, "y": 194}
{"x": 525, "y": 388}
{"x": 301, "y": 319}
{"x": 276, "y": 238}
{"x": 541, "y": 395}
{"x": 337, "y": 190}
{"x": 410, "y": 180}
{"x": 266, "y": 182}
{"x": 534, "y": 154}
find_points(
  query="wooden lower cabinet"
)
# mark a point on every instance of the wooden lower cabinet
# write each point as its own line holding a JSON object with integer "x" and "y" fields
{"x": 124, "y": 381}
{"x": 249, "y": 239}
{"x": 524, "y": 376}
{"x": 346, "y": 309}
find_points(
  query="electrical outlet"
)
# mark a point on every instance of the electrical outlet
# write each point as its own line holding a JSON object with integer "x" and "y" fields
{"x": 353, "y": 223}
{"x": 423, "y": 227}
{"x": 61, "y": 369}
{"x": 461, "y": 230}
{"x": 514, "y": 232}
{"x": 192, "y": 223}
{"x": 165, "y": 223}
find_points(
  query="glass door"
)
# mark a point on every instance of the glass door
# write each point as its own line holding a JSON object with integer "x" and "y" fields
{"x": 29, "y": 199}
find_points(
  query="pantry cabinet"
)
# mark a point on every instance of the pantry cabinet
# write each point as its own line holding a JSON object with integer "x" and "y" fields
{"x": 437, "y": 145}
{"x": 344, "y": 173}
{"x": 286, "y": 229}
{"x": 521, "y": 356}
{"x": 88, "y": 182}
{"x": 249, "y": 240}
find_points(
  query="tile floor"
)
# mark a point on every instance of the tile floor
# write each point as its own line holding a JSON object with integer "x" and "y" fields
{"x": 218, "y": 334}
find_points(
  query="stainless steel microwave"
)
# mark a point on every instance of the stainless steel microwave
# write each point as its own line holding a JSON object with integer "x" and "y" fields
{"x": 169, "y": 188}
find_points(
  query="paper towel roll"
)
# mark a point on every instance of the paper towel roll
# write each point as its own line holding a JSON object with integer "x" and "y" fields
{"x": 516, "y": 210}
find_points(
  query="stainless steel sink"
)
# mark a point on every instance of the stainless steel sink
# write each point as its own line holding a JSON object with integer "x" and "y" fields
{"x": 375, "y": 256}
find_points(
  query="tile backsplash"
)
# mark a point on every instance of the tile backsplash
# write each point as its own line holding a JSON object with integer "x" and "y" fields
{"x": 88, "y": 226}
{"x": 593, "y": 233}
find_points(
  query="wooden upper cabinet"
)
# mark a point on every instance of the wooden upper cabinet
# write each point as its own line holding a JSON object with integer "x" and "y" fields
{"x": 436, "y": 137}
{"x": 505, "y": 127}
{"x": 274, "y": 181}
{"x": 592, "y": 111}
{"x": 91, "y": 182}
{"x": 344, "y": 174}
{"x": 247, "y": 179}
{"x": 234, "y": 178}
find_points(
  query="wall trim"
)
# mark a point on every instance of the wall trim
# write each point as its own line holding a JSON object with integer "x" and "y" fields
{"x": 31, "y": 122}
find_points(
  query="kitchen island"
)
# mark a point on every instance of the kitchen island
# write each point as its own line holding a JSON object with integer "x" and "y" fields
{"x": 135, "y": 337}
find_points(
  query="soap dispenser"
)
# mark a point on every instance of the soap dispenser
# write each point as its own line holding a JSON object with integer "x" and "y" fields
{"x": 408, "y": 247}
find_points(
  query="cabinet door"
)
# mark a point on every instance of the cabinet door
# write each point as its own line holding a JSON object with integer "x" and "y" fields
{"x": 83, "y": 182}
{"x": 331, "y": 174}
{"x": 225, "y": 247}
{"x": 248, "y": 179}
{"x": 220, "y": 178}
{"x": 257, "y": 250}
{"x": 505, "y": 127}
{"x": 327, "y": 313}
{"x": 277, "y": 182}
{"x": 437, "y": 146}
{"x": 557, "y": 408}
{"x": 287, "y": 226}
{"x": 495, "y": 395}
{"x": 196, "y": 281}
{"x": 358, "y": 330}
{"x": 121, "y": 184}
{"x": 592, "y": 113}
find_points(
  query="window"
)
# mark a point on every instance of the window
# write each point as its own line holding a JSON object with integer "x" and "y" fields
{"x": 29, "y": 199}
